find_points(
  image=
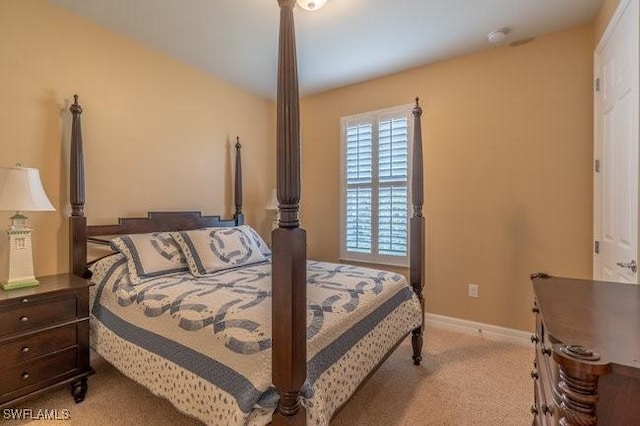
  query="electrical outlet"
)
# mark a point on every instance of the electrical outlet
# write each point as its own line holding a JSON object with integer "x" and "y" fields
{"x": 473, "y": 290}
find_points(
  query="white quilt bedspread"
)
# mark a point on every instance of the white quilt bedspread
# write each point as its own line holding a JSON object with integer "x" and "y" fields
{"x": 205, "y": 343}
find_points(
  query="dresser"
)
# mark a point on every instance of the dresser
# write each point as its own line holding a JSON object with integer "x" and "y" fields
{"x": 44, "y": 339}
{"x": 587, "y": 352}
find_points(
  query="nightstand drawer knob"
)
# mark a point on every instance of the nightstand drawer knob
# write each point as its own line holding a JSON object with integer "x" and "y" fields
{"x": 24, "y": 319}
{"x": 25, "y": 349}
{"x": 25, "y": 300}
{"x": 25, "y": 376}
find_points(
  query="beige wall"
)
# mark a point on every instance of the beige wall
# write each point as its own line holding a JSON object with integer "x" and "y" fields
{"x": 604, "y": 16}
{"x": 507, "y": 132}
{"x": 507, "y": 155}
{"x": 157, "y": 133}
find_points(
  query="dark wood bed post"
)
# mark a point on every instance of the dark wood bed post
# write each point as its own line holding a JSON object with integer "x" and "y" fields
{"x": 77, "y": 221}
{"x": 417, "y": 228}
{"x": 239, "y": 217}
{"x": 289, "y": 314}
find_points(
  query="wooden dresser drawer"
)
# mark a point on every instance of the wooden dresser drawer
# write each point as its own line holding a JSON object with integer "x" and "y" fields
{"x": 21, "y": 318}
{"x": 38, "y": 344}
{"x": 23, "y": 375}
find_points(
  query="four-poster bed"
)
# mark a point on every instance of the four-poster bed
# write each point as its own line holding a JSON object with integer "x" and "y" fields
{"x": 301, "y": 316}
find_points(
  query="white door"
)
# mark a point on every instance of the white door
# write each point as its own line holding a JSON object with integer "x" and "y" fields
{"x": 617, "y": 141}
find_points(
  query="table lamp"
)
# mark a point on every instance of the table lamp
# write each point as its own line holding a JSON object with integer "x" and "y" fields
{"x": 272, "y": 206}
{"x": 21, "y": 191}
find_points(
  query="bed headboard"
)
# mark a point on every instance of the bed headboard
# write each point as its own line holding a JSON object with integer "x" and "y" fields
{"x": 80, "y": 233}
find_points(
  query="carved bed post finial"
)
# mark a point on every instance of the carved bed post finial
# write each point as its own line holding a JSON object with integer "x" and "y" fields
{"x": 238, "y": 180}
{"x": 289, "y": 268}
{"x": 77, "y": 161}
{"x": 417, "y": 229}
{"x": 77, "y": 221}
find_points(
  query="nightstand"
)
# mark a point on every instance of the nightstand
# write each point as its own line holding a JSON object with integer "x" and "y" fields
{"x": 44, "y": 338}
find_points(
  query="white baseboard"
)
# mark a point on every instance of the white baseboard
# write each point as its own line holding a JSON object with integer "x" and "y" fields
{"x": 488, "y": 331}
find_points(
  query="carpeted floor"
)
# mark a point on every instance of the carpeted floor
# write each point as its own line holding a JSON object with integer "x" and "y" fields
{"x": 463, "y": 380}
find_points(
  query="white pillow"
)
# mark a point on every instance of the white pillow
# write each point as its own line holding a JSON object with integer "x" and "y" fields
{"x": 210, "y": 250}
{"x": 264, "y": 248}
{"x": 150, "y": 255}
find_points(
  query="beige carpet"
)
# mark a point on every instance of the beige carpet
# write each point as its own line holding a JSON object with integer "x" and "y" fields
{"x": 463, "y": 380}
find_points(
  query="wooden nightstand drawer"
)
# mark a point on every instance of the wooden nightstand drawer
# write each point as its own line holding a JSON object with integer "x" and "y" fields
{"x": 38, "y": 344}
{"x": 22, "y": 318}
{"x": 44, "y": 339}
{"x": 24, "y": 375}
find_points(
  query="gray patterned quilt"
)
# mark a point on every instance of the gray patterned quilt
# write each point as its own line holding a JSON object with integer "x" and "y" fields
{"x": 204, "y": 343}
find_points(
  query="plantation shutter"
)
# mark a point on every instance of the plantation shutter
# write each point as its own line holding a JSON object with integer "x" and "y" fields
{"x": 359, "y": 188}
{"x": 375, "y": 196}
{"x": 393, "y": 177}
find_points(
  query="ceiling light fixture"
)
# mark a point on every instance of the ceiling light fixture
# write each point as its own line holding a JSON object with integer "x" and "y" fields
{"x": 311, "y": 5}
{"x": 497, "y": 36}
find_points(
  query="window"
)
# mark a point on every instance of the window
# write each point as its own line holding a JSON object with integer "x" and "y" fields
{"x": 375, "y": 186}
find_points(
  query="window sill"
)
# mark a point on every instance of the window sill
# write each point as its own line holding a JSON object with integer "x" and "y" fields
{"x": 404, "y": 264}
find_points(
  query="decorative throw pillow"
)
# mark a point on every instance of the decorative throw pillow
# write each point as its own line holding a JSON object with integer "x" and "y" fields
{"x": 264, "y": 248}
{"x": 150, "y": 255}
{"x": 215, "y": 249}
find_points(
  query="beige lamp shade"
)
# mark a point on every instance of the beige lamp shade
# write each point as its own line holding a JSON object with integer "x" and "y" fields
{"x": 21, "y": 190}
{"x": 272, "y": 205}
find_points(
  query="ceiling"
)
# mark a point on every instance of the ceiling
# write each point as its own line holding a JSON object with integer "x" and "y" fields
{"x": 345, "y": 42}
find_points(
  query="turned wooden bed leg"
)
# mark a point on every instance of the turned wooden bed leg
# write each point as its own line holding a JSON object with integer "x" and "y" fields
{"x": 289, "y": 267}
{"x": 417, "y": 230}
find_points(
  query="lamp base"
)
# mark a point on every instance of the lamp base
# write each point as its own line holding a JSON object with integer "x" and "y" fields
{"x": 20, "y": 260}
{"x": 12, "y": 285}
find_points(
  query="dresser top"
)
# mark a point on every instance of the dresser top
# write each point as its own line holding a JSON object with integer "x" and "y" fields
{"x": 48, "y": 284}
{"x": 602, "y": 316}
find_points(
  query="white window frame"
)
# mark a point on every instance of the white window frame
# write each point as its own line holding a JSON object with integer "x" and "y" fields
{"x": 373, "y": 117}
